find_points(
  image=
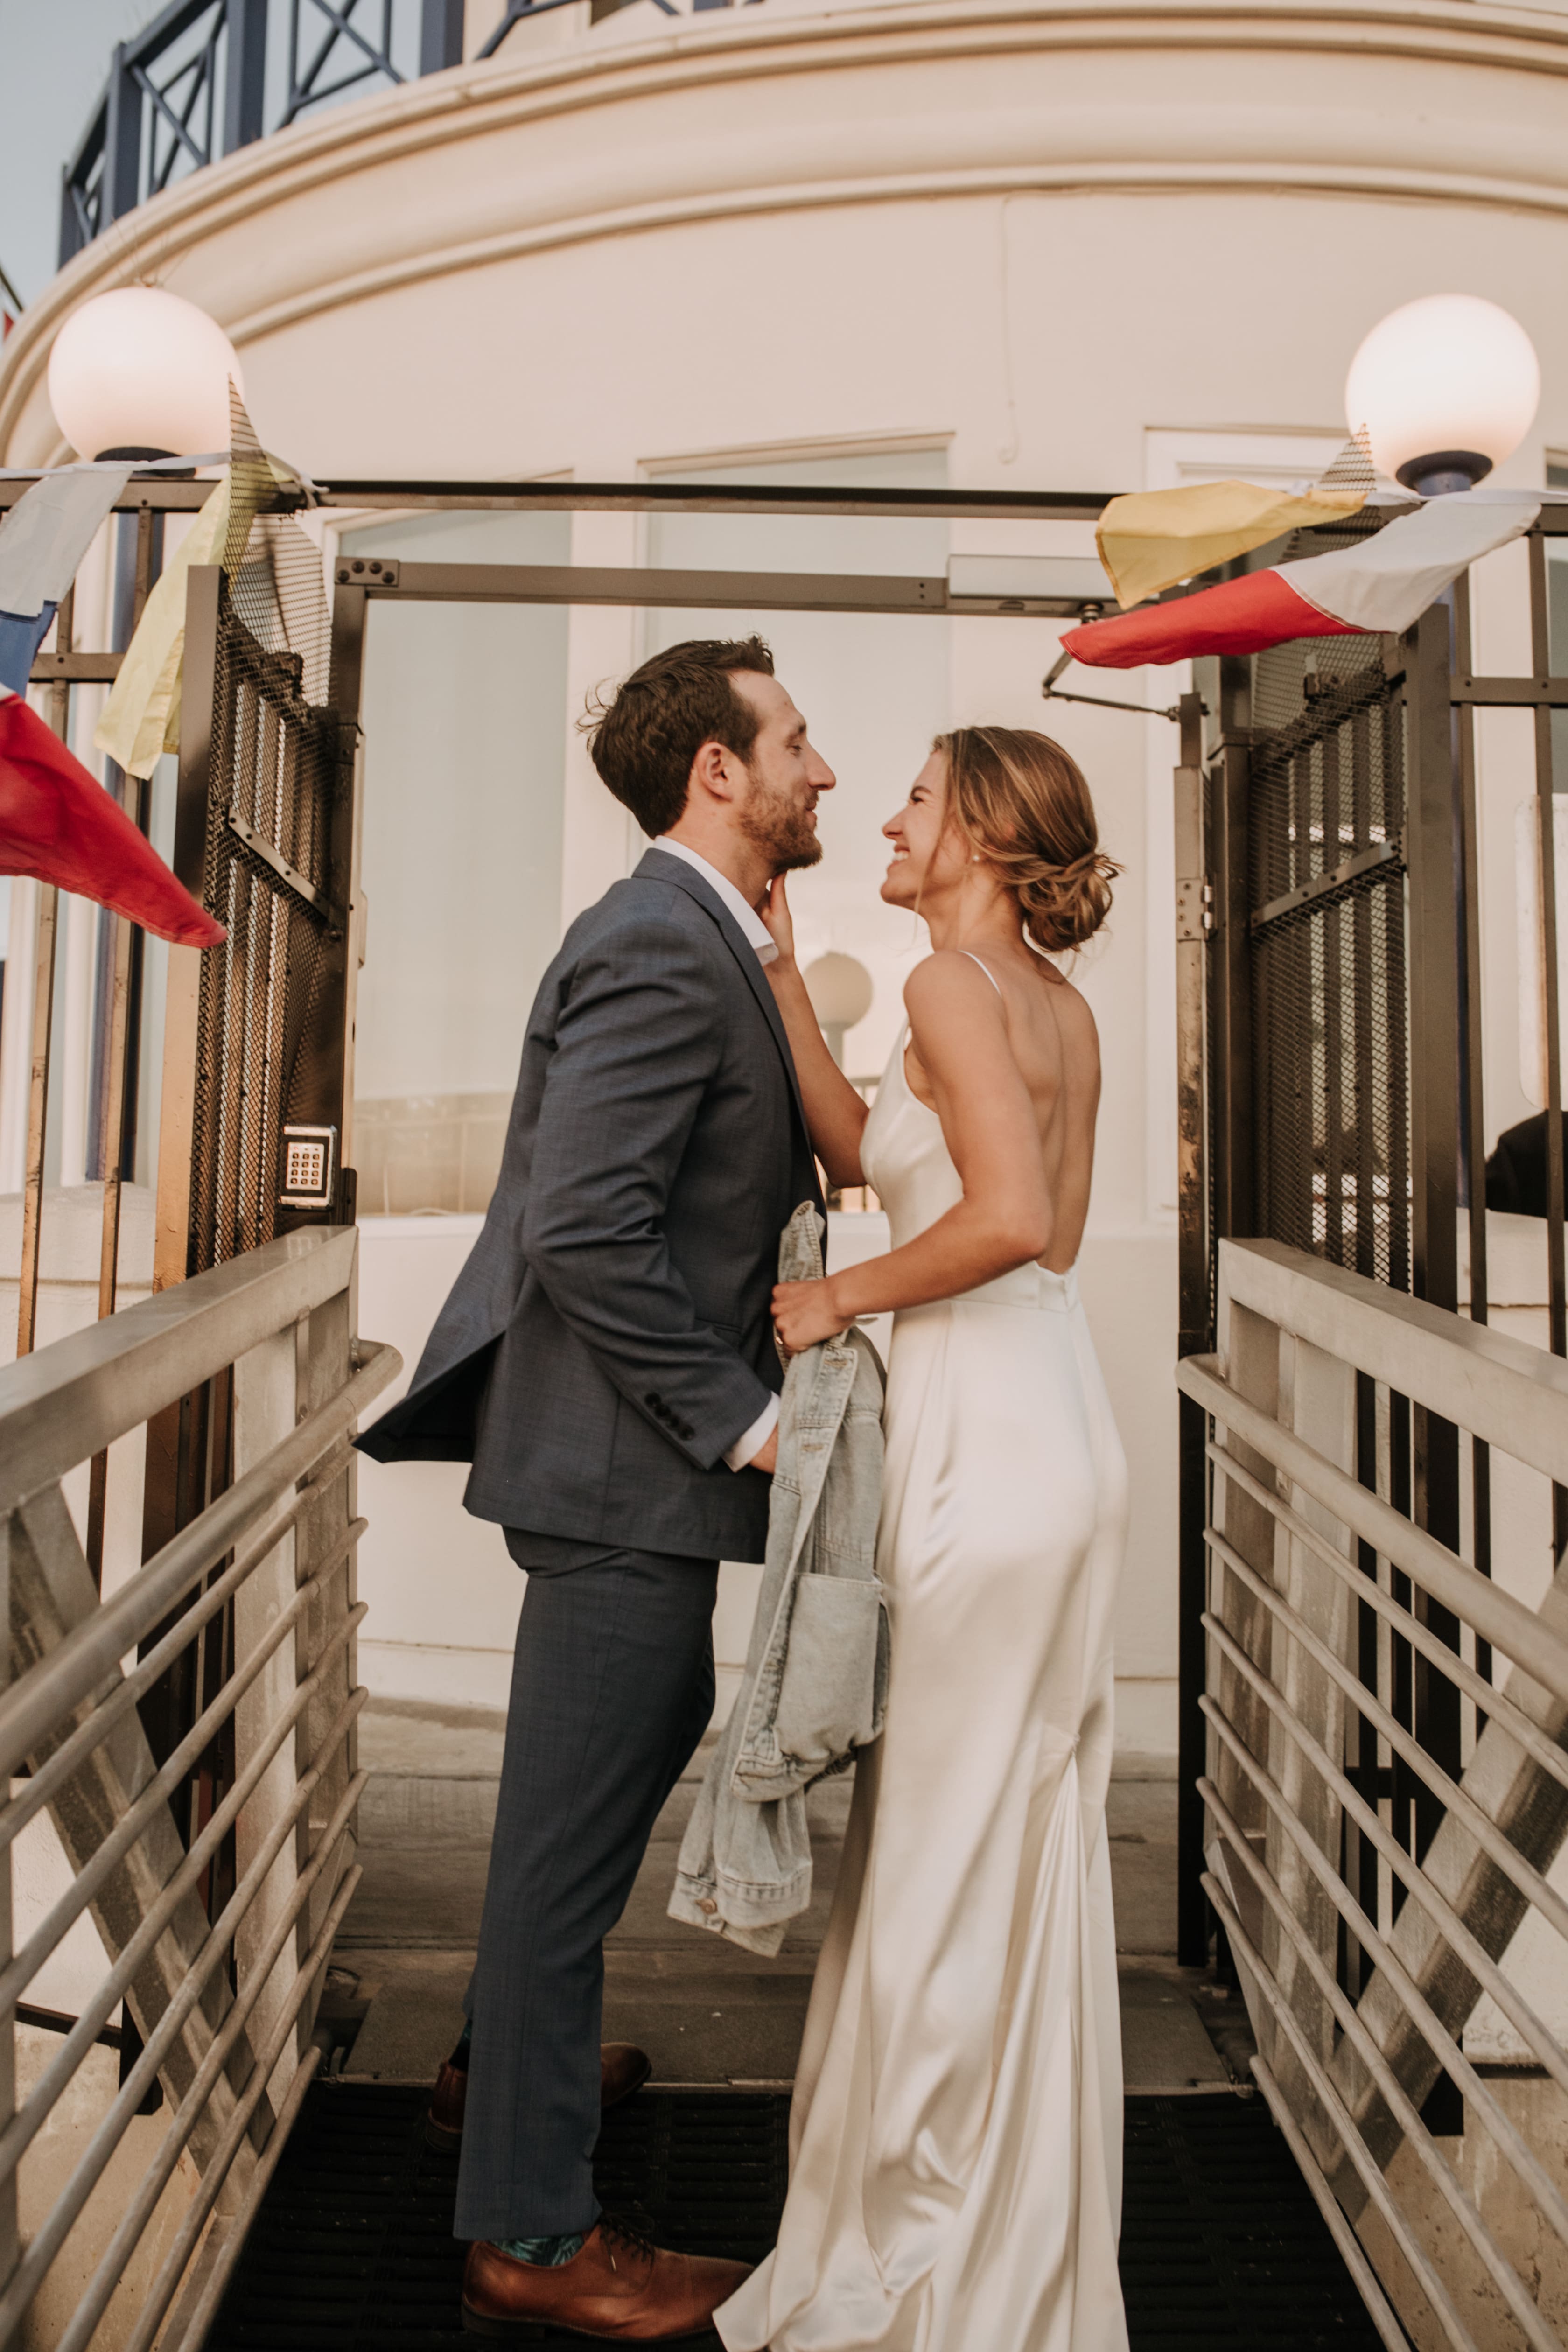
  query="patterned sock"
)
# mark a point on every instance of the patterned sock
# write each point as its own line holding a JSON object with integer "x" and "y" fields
{"x": 549, "y": 2252}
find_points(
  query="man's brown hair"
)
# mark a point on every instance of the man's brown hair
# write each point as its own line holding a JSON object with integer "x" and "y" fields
{"x": 645, "y": 737}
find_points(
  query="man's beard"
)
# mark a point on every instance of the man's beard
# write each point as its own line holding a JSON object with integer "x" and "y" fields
{"x": 783, "y": 833}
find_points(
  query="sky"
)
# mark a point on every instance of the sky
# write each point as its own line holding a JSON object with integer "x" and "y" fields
{"x": 54, "y": 60}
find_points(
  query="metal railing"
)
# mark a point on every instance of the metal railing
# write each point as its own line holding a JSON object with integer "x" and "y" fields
{"x": 1393, "y": 1923}
{"x": 206, "y": 77}
{"x": 215, "y": 1874}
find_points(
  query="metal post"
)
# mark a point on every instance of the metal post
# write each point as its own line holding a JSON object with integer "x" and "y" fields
{"x": 1473, "y": 1067}
{"x": 1230, "y": 770}
{"x": 122, "y": 145}
{"x": 43, "y": 1032}
{"x": 245, "y": 81}
{"x": 1436, "y": 991}
{"x": 71, "y": 240}
{"x": 118, "y": 1047}
{"x": 1434, "y": 959}
{"x": 38, "y": 1110}
{"x": 324, "y": 1072}
{"x": 1545, "y": 809}
{"x": 440, "y": 35}
{"x": 175, "y": 1436}
{"x": 1195, "y": 1334}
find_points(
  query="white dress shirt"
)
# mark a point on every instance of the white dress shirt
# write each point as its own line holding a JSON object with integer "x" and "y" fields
{"x": 750, "y": 1441}
{"x": 757, "y": 932}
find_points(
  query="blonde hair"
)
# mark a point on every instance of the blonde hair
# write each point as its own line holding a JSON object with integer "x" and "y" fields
{"x": 1021, "y": 803}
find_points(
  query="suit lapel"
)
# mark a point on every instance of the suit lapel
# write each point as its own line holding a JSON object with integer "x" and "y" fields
{"x": 659, "y": 867}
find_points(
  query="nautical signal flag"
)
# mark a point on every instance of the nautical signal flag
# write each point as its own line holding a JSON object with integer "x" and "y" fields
{"x": 58, "y": 824}
{"x": 42, "y": 542}
{"x": 1385, "y": 582}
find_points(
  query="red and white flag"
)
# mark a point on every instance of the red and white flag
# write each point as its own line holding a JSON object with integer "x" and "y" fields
{"x": 1383, "y": 582}
{"x": 58, "y": 824}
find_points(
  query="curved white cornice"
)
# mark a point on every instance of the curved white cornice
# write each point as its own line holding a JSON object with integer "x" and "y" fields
{"x": 1438, "y": 101}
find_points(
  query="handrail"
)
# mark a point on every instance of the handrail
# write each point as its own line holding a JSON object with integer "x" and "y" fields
{"x": 1381, "y": 1819}
{"x": 1486, "y": 1380}
{"x": 217, "y": 1920}
{"x": 74, "y": 1398}
{"x": 92, "y": 1649}
{"x": 1496, "y": 1615}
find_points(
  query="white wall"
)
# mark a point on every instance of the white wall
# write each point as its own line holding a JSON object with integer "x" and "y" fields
{"x": 876, "y": 689}
{"x": 460, "y": 851}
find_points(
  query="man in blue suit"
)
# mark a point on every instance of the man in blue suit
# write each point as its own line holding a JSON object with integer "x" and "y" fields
{"x": 607, "y": 1362}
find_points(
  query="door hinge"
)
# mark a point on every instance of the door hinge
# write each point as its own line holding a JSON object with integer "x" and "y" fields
{"x": 1195, "y": 908}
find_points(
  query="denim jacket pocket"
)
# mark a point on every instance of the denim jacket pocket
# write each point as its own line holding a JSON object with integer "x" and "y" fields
{"x": 827, "y": 1701}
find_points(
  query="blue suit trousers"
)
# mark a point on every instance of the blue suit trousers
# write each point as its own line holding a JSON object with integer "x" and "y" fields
{"x": 612, "y": 1690}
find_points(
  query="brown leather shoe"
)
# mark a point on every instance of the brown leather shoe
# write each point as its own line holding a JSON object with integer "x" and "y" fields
{"x": 444, "y": 2122}
{"x": 618, "y": 2286}
{"x": 623, "y": 2069}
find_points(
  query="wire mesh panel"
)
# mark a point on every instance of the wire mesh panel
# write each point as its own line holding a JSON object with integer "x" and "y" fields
{"x": 270, "y": 875}
{"x": 274, "y": 774}
{"x": 1331, "y": 1094}
{"x": 261, "y": 835}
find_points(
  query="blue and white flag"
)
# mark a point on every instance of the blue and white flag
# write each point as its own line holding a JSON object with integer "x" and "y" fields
{"x": 42, "y": 542}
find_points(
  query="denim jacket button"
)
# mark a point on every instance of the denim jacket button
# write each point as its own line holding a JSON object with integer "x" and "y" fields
{"x": 706, "y": 1902}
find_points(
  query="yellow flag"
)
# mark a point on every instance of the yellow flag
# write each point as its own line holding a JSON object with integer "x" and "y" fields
{"x": 135, "y": 727}
{"x": 1152, "y": 538}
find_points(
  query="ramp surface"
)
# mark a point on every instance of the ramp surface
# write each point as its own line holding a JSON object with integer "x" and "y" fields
{"x": 1222, "y": 2248}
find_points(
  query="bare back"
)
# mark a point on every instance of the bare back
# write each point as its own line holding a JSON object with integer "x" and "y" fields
{"x": 1056, "y": 1047}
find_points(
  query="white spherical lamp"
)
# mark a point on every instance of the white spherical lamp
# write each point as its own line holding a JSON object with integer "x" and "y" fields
{"x": 142, "y": 374}
{"x": 840, "y": 990}
{"x": 1447, "y": 387}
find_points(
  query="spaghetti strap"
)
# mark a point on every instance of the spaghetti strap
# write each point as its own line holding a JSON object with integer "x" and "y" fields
{"x": 985, "y": 969}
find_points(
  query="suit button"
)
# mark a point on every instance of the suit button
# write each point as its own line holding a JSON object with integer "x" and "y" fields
{"x": 653, "y": 1398}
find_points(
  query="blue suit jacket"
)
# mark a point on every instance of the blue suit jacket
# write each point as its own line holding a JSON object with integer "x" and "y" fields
{"x": 609, "y": 1336}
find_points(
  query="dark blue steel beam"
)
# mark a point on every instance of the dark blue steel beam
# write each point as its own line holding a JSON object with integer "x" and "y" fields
{"x": 122, "y": 137}
{"x": 245, "y": 74}
{"x": 440, "y": 35}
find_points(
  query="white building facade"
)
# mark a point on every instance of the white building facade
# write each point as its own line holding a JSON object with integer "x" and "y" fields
{"x": 1008, "y": 243}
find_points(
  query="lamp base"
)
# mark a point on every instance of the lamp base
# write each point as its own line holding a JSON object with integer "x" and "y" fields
{"x": 1441, "y": 472}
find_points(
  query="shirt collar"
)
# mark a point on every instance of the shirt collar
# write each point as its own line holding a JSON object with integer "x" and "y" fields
{"x": 757, "y": 933}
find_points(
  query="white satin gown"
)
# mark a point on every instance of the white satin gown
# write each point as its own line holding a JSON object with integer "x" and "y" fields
{"x": 956, "y": 2132}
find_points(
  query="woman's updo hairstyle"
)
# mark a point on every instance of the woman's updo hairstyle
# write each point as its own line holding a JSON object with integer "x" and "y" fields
{"x": 1021, "y": 803}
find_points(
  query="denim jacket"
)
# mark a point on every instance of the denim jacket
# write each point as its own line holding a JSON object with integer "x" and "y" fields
{"x": 817, "y": 1671}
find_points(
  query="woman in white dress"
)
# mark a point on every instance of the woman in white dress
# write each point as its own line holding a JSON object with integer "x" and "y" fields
{"x": 956, "y": 2131}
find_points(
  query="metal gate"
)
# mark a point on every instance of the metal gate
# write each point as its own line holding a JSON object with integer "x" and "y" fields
{"x": 1331, "y": 1094}
{"x": 256, "y": 1046}
{"x": 1377, "y": 1807}
{"x": 268, "y": 846}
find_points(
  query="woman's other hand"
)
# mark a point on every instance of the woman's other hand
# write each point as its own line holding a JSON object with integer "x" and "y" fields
{"x": 775, "y": 914}
{"x": 803, "y": 1313}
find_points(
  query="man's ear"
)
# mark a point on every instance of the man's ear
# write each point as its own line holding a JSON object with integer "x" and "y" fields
{"x": 711, "y": 771}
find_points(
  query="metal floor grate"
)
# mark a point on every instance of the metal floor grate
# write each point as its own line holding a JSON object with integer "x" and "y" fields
{"x": 353, "y": 2253}
{"x": 1222, "y": 2246}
